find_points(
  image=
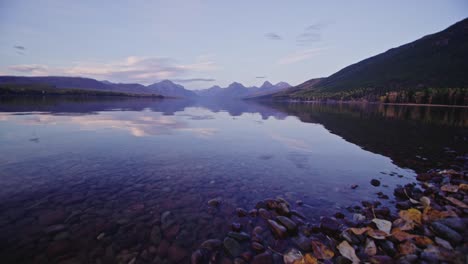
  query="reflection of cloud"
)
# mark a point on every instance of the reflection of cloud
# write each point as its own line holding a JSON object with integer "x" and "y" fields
{"x": 148, "y": 125}
{"x": 300, "y": 56}
{"x": 132, "y": 69}
{"x": 292, "y": 142}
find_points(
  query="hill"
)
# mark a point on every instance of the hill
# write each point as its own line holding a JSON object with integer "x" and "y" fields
{"x": 432, "y": 69}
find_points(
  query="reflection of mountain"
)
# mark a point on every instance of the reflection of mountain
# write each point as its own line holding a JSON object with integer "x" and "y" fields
{"x": 413, "y": 136}
{"x": 236, "y": 90}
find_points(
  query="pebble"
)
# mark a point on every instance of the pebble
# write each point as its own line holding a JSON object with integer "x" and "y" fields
{"x": 214, "y": 202}
{"x": 375, "y": 182}
{"x": 288, "y": 223}
{"x": 278, "y": 230}
{"x": 257, "y": 247}
{"x": 239, "y": 236}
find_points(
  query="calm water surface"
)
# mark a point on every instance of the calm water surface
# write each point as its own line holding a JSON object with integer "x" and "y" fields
{"x": 73, "y": 170}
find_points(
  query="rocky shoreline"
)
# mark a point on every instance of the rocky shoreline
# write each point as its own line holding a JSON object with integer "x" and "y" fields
{"x": 429, "y": 225}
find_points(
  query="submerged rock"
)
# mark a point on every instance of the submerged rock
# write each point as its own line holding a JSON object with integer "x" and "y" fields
{"x": 278, "y": 230}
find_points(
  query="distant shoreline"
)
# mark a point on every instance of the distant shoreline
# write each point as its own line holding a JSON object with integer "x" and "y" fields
{"x": 364, "y": 102}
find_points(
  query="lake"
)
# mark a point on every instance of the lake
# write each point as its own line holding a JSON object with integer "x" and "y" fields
{"x": 88, "y": 179}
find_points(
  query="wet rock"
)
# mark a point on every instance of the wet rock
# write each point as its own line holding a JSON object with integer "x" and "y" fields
{"x": 57, "y": 248}
{"x": 264, "y": 258}
{"x": 247, "y": 256}
{"x": 241, "y": 212}
{"x": 424, "y": 176}
{"x": 239, "y": 261}
{"x": 171, "y": 232}
{"x": 236, "y": 227}
{"x": 211, "y": 244}
{"x": 381, "y": 260}
{"x": 288, "y": 223}
{"x": 342, "y": 260}
{"x": 51, "y": 217}
{"x": 253, "y": 213}
{"x": 260, "y": 204}
{"x": 354, "y": 186}
{"x": 278, "y": 230}
{"x": 302, "y": 243}
{"x": 61, "y": 236}
{"x": 257, "y": 247}
{"x": 232, "y": 247}
{"x": 264, "y": 213}
{"x": 298, "y": 214}
{"x": 283, "y": 209}
{"x": 176, "y": 254}
{"x": 271, "y": 203}
{"x": 155, "y": 235}
{"x": 257, "y": 230}
{"x": 446, "y": 232}
{"x": 214, "y": 202}
{"x": 456, "y": 223}
{"x": 299, "y": 202}
{"x": 167, "y": 219}
{"x": 163, "y": 248}
{"x": 404, "y": 205}
{"x": 239, "y": 236}
{"x": 53, "y": 229}
{"x": 329, "y": 225}
{"x": 375, "y": 182}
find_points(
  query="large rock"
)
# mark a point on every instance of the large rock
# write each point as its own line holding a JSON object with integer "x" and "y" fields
{"x": 446, "y": 232}
{"x": 288, "y": 223}
{"x": 278, "y": 230}
{"x": 232, "y": 247}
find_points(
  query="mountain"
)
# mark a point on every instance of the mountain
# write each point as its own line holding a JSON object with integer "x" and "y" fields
{"x": 236, "y": 90}
{"x": 432, "y": 69}
{"x": 170, "y": 89}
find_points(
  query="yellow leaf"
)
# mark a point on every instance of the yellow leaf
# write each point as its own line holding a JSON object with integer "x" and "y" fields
{"x": 347, "y": 251}
{"x": 463, "y": 187}
{"x": 411, "y": 215}
{"x": 423, "y": 241}
{"x": 321, "y": 251}
{"x": 430, "y": 214}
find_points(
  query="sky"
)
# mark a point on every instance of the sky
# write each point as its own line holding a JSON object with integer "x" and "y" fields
{"x": 203, "y": 43}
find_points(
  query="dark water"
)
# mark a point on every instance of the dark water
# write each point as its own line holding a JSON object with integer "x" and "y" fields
{"x": 73, "y": 170}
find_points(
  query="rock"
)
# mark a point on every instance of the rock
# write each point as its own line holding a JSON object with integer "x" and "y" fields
{"x": 302, "y": 242}
{"x": 283, "y": 209}
{"x": 51, "y": 217}
{"x": 456, "y": 223}
{"x": 257, "y": 247}
{"x": 446, "y": 232}
{"x": 167, "y": 219}
{"x": 443, "y": 243}
{"x": 214, "y": 202}
{"x": 155, "y": 235}
{"x": 354, "y": 186}
{"x": 100, "y": 236}
{"x": 257, "y": 230}
{"x": 424, "y": 176}
{"x": 342, "y": 260}
{"x": 61, "y": 236}
{"x": 176, "y": 254}
{"x": 236, "y": 227}
{"x": 264, "y": 258}
{"x": 278, "y": 230}
{"x": 253, "y": 213}
{"x": 163, "y": 248}
{"x": 247, "y": 256}
{"x": 375, "y": 182}
{"x": 239, "y": 261}
{"x": 405, "y": 205}
{"x": 211, "y": 244}
{"x": 239, "y": 236}
{"x": 381, "y": 260}
{"x": 260, "y": 204}
{"x": 232, "y": 247}
{"x": 241, "y": 212}
{"x": 299, "y": 202}
{"x": 264, "y": 213}
{"x": 197, "y": 257}
{"x": 358, "y": 218}
{"x": 53, "y": 229}
{"x": 57, "y": 248}
{"x": 171, "y": 232}
{"x": 288, "y": 223}
{"x": 329, "y": 225}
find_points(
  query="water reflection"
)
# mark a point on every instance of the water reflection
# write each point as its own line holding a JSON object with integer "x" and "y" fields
{"x": 107, "y": 167}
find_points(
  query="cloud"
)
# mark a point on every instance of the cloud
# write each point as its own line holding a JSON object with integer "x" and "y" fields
{"x": 18, "y": 47}
{"x": 312, "y": 33}
{"x": 300, "y": 56}
{"x": 260, "y": 77}
{"x": 273, "y": 36}
{"x": 193, "y": 80}
{"x": 131, "y": 69}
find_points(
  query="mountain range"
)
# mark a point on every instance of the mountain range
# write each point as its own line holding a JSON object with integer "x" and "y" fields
{"x": 432, "y": 69}
{"x": 165, "y": 88}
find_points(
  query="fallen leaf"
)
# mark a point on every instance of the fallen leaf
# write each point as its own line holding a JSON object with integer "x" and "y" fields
{"x": 411, "y": 215}
{"x": 291, "y": 256}
{"x": 321, "y": 251}
{"x": 347, "y": 251}
{"x": 400, "y": 235}
{"x": 425, "y": 201}
{"x": 359, "y": 231}
{"x": 423, "y": 241}
{"x": 377, "y": 234}
{"x": 370, "y": 248}
{"x": 449, "y": 188}
{"x": 307, "y": 259}
{"x": 463, "y": 187}
{"x": 407, "y": 248}
{"x": 383, "y": 225}
{"x": 430, "y": 214}
{"x": 457, "y": 202}
{"x": 403, "y": 225}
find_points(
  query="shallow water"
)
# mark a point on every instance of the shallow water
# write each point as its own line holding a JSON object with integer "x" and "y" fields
{"x": 111, "y": 167}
